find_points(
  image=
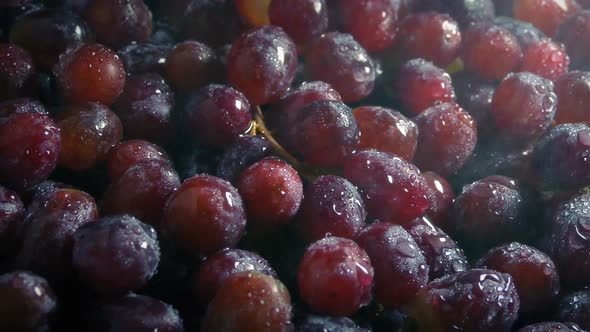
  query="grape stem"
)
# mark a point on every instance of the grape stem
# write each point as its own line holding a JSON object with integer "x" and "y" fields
{"x": 260, "y": 126}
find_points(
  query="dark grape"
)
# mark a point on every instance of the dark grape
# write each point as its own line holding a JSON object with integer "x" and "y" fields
{"x": 443, "y": 255}
{"x": 218, "y": 267}
{"x": 133, "y": 313}
{"x": 570, "y": 33}
{"x": 473, "y": 300}
{"x": 331, "y": 206}
{"x": 49, "y": 232}
{"x": 217, "y": 115}
{"x": 117, "y": 23}
{"x": 27, "y": 302}
{"x": 324, "y": 133}
{"x": 569, "y": 240}
{"x": 488, "y": 212}
{"x": 191, "y": 65}
{"x": 17, "y": 72}
{"x": 115, "y": 254}
{"x": 400, "y": 266}
{"x": 12, "y": 211}
{"x": 535, "y": 276}
{"x": 145, "y": 108}
{"x": 559, "y": 158}
{"x": 525, "y": 32}
{"x": 573, "y": 94}
{"x": 142, "y": 191}
{"x": 48, "y": 33}
{"x": 141, "y": 58}
{"x": 339, "y": 60}
{"x": 245, "y": 151}
{"x": 574, "y": 308}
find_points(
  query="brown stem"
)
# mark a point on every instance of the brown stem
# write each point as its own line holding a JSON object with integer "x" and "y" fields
{"x": 281, "y": 151}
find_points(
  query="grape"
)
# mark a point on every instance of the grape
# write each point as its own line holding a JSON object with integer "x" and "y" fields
{"x": 392, "y": 189}
{"x": 115, "y": 254}
{"x": 272, "y": 191}
{"x": 191, "y": 65}
{"x": 324, "y": 133}
{"x": 447, "y": 138}
{"x": 128, "y": 153}
{"x": 474, "y": 300}
{"x": 546, "y": 15}
{"x": 431, "y": 36}
{"x": 217, "y": 115}
{"x": 205, "y": 215}
{"x": 335, "y": 276}
{"x": 373, "y": 23}
{"x": 570, "y": 32}
{"x": 27, "y": 302}
{"x": 573, "y": 93}
{"x": 488, "y": 212}
{"x": 145, "y": 108}
{"x": 386, "y": 130}
{"x": 490, "y": 51}
{"x": 49, "y": 232}
{"x": 443, "y": 255}
{"x": 133, "y": 312}
{"x": 261, "y": 63}
{"x": 246, "y": 151}
{"x": 254, "y": 12}
{"x": 534, "y": 101}
{"x": 302, "y": 20}
{"x": 249, "y": 301}
{"x": 117, "y": 23}
{"x": 546, "y": 59}
{"x": 30, "y": 144}
{"x": 535, "y": 276}
{"x": 141, "y": 58}
{"x": 88, "y": 132}
{"x": 220, "y": 266}
{"x": 400, "y": 266}
{"x": 421, "y": 84}
{"x": 48, "y": 33}
{"x": 331, "y": 206}
{"x": 17, "y": 72}
{"x": 574, "y": 308}
{"x": 90, "y": 73}
{"x": 525, "y": 32}
{"x": 11, "y": 222}
{"x": 339, "y": 60}
{"x": 142, "y": 191}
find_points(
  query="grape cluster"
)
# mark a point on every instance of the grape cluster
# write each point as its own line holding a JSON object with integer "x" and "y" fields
{"x": 294, "y": 165}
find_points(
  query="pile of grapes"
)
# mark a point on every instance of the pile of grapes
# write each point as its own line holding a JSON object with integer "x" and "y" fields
{"x": 294, "y": 165}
